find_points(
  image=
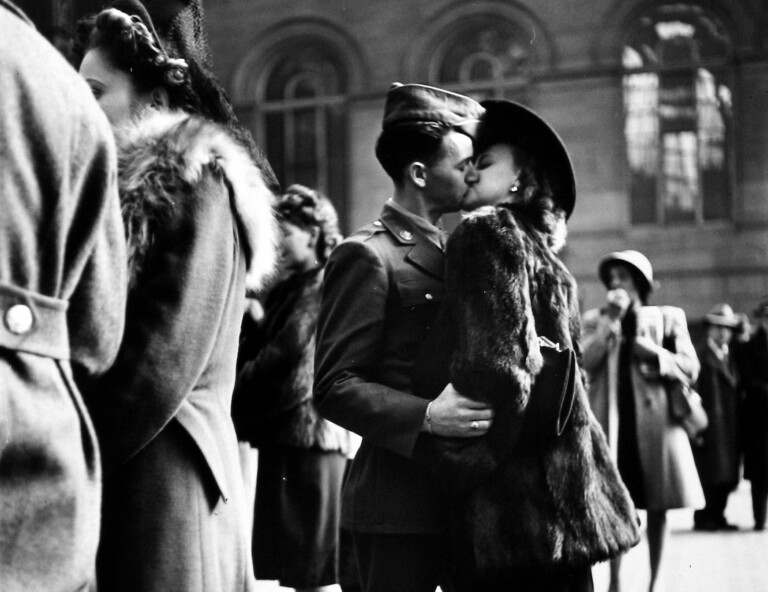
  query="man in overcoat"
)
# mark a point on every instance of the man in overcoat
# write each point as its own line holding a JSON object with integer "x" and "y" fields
{"x": 718, "y": 454}
{"x": 382, "y": 289}
{"x": 62, "y": 306}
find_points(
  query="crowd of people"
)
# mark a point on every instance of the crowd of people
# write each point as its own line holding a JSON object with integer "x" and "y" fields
{"x": 429, "y": 409}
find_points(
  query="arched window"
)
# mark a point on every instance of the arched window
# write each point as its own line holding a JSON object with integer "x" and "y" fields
{"x": 303, "y": 117}
{"x": 485, "y": 56}
{"x": 678, "y": 116}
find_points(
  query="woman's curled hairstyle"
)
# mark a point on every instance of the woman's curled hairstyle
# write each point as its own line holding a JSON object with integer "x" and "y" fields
{"x": 132, "y": 48}
{"x": 307, "y": 208}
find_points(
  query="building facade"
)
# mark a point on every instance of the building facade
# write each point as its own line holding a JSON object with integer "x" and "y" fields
{"x": 661, "y": 103}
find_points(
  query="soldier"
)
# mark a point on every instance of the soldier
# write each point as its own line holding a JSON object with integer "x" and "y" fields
{"x": 382, "y": 289}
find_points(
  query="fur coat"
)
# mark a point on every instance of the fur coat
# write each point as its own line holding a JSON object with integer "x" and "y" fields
{"x": 274, "y": 383}
{"x": 200, "y": 230}
{"x": 560, "y": 503}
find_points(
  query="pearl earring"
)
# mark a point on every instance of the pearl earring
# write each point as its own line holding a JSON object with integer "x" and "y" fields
{"x": 514, "y": 188}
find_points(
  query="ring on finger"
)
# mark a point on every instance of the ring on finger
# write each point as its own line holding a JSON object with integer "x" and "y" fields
{"x": 474, "y": 426}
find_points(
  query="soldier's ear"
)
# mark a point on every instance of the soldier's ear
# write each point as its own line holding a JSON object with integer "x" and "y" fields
{"x": 417, "y": 174}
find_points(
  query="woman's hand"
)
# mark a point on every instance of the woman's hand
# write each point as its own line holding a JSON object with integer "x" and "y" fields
{"x": 645, "y": 349}
{"x": 453, "y": 414}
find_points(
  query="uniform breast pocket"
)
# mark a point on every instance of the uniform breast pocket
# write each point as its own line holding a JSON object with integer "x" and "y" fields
{"x": 417, "y": 289}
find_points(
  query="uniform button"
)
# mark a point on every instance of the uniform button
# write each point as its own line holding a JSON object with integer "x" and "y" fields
{"x": 377, "y": 222}
{"x": 19, "y": 319}
{"x": 428, "y": 296}
{"x": 405, "y": 235}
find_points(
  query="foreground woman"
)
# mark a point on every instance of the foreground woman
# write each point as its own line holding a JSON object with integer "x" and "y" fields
{"x": 200, "y": 231}
{"x": 536, "y": 511}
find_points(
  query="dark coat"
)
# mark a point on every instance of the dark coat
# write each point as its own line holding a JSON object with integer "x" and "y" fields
{"x": 275, "y": 386}
{"x": 752, "y": 360}
{"x": 62, "y": 256}
{"x": 553, "y": 502}
{"x": 198, "y": 215}
{"x": 718, "y": 455}
{"x": 381, "y": 292}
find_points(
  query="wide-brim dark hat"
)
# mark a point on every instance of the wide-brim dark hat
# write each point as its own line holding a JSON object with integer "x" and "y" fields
{"x": 508, "y": 122}
{"x": 635, "y": 260}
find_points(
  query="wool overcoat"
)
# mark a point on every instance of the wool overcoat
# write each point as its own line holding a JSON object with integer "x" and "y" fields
{"x": 752, "y": 358}
{"x": 669, "y": 473}
{"x": 62, "y": 305}
{"x": 380, "y": 295}
{"x": 200, "y": 227}
{"x": 529, "y": 503}
{"x": 718, "y": 455}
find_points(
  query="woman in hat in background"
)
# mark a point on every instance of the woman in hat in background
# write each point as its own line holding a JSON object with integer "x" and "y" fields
{"x": 301, "y": 455}
{"x": 531, "y": 514}
{"x": 200, "y": 229}
{"x": 629, "y": 349}
{"x": 752, "y": 362}
{"x": 718, "y": 451}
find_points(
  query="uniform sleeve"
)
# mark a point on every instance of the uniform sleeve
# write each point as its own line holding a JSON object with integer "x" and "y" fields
{"x": 96, "y": 312}
{"x": 349, "y": 345}
{"x": 174, "y": 312}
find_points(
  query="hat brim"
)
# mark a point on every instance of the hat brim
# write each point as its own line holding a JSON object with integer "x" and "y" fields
{"x": 621, "y": 258}
{"x": 512, "y": 123}
{"x": 721, "y": 321}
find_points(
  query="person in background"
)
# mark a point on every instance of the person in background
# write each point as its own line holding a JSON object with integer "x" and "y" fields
{"x": 382, "y": 288}
{"x": 198, "y": 216}
{"x": 62, "y": 308}
{"x": 630, "y": 349}
{"x": 752, "y": 363}
{"x": 301, "y": 455}
{"x": 718, "y": 453}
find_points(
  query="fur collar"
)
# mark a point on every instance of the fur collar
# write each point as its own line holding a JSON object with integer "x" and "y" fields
{"x": 164, "y": 150}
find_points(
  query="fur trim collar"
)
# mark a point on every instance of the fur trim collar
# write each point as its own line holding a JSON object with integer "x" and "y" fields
{"x": 163, "y": 149}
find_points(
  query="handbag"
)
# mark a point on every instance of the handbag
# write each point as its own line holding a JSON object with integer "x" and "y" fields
{"x": 686, "y": 408}
{"x": 551, "y": 400}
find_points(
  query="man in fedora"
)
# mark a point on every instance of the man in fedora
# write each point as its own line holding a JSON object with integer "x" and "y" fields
{"x": 717, "y": 455}
{"x": 383, "y": 286}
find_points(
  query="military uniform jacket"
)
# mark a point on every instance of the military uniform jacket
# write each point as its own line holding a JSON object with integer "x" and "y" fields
{"x": 380, "y": 295}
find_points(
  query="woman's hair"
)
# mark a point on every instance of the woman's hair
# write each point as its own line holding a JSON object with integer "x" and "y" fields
{"x": 129, "y": 46}
{"x": 307, "y": 209}
{"x": 535, "y": 196}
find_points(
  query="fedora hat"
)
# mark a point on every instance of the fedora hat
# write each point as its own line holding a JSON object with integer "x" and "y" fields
{"x": 635, "y": 260}
{"x": 414, "y": 104}
{"x": 507, "y": 122}
{"x": 722, "y": 315}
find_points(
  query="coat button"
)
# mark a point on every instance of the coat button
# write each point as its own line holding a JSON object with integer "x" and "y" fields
{"x": 19, "y": 319}
{"x": 405, "y": 235}
{"x": 428, "y": 296}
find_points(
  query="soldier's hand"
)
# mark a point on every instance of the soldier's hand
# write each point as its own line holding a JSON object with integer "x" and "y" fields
{"x": 453, "y": 414}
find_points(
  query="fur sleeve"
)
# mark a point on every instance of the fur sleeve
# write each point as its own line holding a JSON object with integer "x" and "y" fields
{"x": 489, "y": 294}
